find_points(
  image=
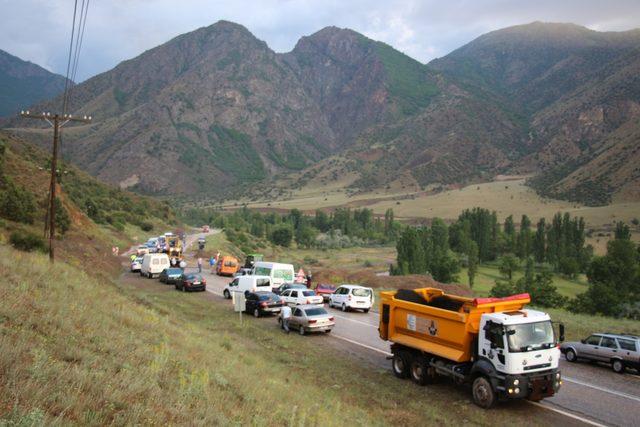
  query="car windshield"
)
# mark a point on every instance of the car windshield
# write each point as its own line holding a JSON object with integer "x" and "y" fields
{"x": 316, "y": 311}
{"x": 193, "y": 276}
{"x": 530, "y": 336}
{"x": 361, "y": 292}
{"x": 308, "y": 293}
{"x": 174, "y": 271}
{"x": 326, "y": 287}
{"x": 286, "y": 275}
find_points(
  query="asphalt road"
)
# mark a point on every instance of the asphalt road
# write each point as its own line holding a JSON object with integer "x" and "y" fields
{"x": 591, "y": 394}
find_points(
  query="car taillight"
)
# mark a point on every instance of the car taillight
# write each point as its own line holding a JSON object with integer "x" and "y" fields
{"x": 331, "y": 319}
{"x": 312, "y": 321}
{"x": 308, "y": 301}
{"x": 204, "y": 282}
{"x": 263, "y": 304}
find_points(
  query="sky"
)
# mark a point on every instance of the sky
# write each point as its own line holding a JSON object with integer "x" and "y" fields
{"x": 39, "y": 30}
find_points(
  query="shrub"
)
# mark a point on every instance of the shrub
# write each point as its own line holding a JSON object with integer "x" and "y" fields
{"x": 63, "y": 221}
{"x": 27, "y": 241}
{"x": 281, "y": 236}
{"x": 17, "y": 204}
{"x": 146, "y": 226}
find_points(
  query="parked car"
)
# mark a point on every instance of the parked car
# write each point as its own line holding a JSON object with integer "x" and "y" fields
{"x": 282, "y": 288}
{"x": 191, "y": 282}
{"x": 227, "y": 266}
{"x": 136, "y": 264}
{"x": 310, "y": 318}
{"x": 325, "y": 291}
{"x": 301, "y": 296}
{"x": 153, "y": 264}
{"x": 349, "y": 297}
{"x": 170, "y": 275}
{"x": 261, "y": 303}
{"x": 621, "y": 351}
{"x": 279, "y": 273}
{"x": 247, "y": 284}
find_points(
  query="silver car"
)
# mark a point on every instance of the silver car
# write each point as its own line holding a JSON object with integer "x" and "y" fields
{"x": 310, "y": 318}
{"x": 620, "y": 350}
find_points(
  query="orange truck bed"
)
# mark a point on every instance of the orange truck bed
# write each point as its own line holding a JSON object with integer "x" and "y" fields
{"x": 446, "y": 332}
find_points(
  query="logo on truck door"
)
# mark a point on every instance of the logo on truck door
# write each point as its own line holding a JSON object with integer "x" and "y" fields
{"x": 422, "y": 325}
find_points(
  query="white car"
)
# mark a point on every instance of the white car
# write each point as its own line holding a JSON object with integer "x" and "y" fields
{"x": 349, "y": 297}
{"x": 300, "y": 297}
{"x": 136, "y": 264}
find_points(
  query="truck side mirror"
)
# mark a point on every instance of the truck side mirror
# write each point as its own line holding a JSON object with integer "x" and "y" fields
{"x": 561, "y": 327}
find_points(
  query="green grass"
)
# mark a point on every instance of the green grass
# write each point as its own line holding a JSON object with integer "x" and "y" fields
{"x": 488, "y": 274}
{"x": 83, "y": 351}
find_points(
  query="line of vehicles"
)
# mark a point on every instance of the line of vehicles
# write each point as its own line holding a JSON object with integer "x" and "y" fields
{"x": 503, "y": 350}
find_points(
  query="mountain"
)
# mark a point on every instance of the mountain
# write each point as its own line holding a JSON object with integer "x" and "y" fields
{"x": 217, "y": 113}
{"x": 23, "y": 83}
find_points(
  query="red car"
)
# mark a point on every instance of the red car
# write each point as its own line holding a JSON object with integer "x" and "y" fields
{"x": 324, "y": 290}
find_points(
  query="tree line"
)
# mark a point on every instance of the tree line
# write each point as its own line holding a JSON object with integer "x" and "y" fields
{"x": 342, "y": 227}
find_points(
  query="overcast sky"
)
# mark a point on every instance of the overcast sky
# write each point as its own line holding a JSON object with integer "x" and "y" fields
{"x": 39, "y": 30}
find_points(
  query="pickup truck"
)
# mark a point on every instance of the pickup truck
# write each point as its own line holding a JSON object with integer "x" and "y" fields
{"x": 502, "y": 349}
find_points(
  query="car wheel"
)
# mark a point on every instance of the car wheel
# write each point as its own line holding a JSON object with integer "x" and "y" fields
{"x": 366, "y": 310}
{"x": 301, "y": 331}
{"x": 618, "y": 366}
{"x": 344, "y": 307}
{"x": 400, "y": 364}
{"x": 570, "y": 355}
{"x": 176, "y": 286}
{"x": 256, "y": 313}
{"x": 184, "y": 288}
{"x": 226, "y": 294}
{"x": 330, "y": 304}
{"x": 327, "y": 331}
{"x": 483, "y": 394}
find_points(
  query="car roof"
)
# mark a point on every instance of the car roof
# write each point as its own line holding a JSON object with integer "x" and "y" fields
{"x": 347, "y": 285}
{"x": 621, "y": 335}
{"x": 270, "y": 264}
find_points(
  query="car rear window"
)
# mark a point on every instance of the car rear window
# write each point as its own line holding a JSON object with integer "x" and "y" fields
{"x": 627, "y": 344}
{"x": 359, "y": 292}
{"x": 265, "y": 297}
{"x": 308, "y": 293}
{"x": 316, "y": 311}
{"x": 174, "y": 271}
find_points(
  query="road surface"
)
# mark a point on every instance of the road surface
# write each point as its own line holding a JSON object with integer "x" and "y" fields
{"x": 590, "y": 394}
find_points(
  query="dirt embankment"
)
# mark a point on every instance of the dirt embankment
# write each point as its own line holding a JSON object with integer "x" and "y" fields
{"x": 369, "y": 278}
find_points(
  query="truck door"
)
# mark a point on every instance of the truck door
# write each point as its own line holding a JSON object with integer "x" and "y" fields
{"x": 493, "y": 346}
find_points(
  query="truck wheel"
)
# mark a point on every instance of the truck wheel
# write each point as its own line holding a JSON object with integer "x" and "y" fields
{"x": 618, "y": 366}
{"x": 483, "y": 394}
{"x": 570, "y": 355}
{"x": 227, "y": 295}
{"x": 400, "y": 364}
{"x": 419, "y": 371}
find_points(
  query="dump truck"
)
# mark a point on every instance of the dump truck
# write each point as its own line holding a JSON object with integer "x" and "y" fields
{"x": 503, "y": 350}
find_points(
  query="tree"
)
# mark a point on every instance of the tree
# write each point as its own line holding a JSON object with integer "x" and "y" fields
{"x": 306, "y": 236}
{"x": 542, "y": 291}
{"x": 322, "y": 221}
{"x": 16, "y": 203}
{"x": 281, "y": 236}
{"x": 472, "y": 262}
{"x": 539, "y": 242}
{"x": 411, "y": 258}
{"x": 622, "y": 231}
{"x": 508, "y": 265}
{"x": 509, "y": 235}
{"x": 62, "y": 219}
{"x": 523, "y": 249}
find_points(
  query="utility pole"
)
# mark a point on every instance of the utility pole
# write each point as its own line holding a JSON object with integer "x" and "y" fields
{"x": 58, "y": 122}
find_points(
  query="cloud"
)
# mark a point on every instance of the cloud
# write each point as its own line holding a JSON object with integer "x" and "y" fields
{"x": 39, "y": 30}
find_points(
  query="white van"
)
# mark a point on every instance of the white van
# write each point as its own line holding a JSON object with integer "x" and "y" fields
{"x": 248, "y": 283}
{"x": 153, "y": 264}
{"x": 279, "y": 273}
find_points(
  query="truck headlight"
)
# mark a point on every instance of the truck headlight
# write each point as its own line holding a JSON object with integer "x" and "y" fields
{"x": 516, "y": 382}
{"x": 517, "y": 390}
{"x": 557, "y": 375}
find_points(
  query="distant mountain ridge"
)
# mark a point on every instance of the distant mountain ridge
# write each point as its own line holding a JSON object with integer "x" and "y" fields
{"x": 24, "y": 83}
{"x": 216, "y": 112}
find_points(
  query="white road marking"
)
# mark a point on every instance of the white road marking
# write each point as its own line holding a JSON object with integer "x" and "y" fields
{"x": 356, "y": 321}
{"x": 386, "y": 353}
{"x": 603, "y": 389}
{"x": 567, "y": 414}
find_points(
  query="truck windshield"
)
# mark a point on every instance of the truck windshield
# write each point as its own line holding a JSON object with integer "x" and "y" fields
{"x": 530, "y": 336}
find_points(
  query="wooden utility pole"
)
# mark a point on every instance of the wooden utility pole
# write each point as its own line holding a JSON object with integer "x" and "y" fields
{"x": 58, "y": 122}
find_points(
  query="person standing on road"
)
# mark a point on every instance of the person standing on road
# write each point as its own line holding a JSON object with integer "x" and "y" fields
{"x": 199, "y": 265}
{"x": 285, "y": 313}
{"x": 212, "y": 261}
